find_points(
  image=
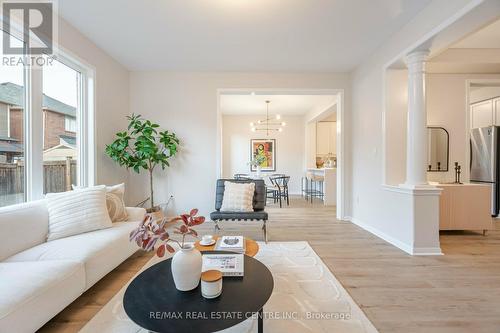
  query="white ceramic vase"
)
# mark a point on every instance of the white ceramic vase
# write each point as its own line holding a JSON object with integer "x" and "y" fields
{"x": 186, "y": 268}
{"x": 259, "y": 170}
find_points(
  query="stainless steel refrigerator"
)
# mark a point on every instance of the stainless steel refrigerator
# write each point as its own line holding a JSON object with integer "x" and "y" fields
{"x": 484, "y": 161}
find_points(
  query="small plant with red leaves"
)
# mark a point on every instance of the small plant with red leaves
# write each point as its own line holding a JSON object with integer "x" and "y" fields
{"x": 154, "y": 232}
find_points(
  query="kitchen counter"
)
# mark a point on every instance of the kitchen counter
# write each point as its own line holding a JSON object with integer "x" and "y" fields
{"x": 329, "y": 185}
{"x": 465, "y": 207}
{"x": 320, "y": 169}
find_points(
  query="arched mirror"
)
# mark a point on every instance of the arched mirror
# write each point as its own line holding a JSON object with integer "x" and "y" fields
{"x": 438, "y": 141}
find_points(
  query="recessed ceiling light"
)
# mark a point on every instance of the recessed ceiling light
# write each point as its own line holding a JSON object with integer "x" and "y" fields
{"x": 252, "y": 93}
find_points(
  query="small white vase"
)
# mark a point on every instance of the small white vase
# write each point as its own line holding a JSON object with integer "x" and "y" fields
{"x": 259, "y": 170}
{"x": 186, "y": 268}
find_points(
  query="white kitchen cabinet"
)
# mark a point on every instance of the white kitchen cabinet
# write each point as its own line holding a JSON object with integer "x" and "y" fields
{"x": 482, "y": 114}
{"x": 326, "y": 137}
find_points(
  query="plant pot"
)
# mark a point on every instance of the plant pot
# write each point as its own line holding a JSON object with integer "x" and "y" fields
{"x": 156, "y": 212}
{"x": 186, "y": 268}
{"x": 153, "y": 209}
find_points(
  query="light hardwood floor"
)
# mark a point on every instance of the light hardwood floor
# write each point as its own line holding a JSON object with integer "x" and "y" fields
{"x": 457, "y": 292}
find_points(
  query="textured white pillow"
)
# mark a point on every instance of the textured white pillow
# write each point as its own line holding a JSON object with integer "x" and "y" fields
{"x": 76, "y": 212}
{"x": 238, "y": 197}
{"x": 114, "y": 202}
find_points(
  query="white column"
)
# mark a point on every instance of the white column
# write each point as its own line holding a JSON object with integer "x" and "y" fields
{"x": 416, "y": 136}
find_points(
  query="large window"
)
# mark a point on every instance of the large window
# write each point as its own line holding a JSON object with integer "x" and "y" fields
{"x": 60, "y": 107}
{"x": 12, "y": 166}
{"x": 46, "y": 128}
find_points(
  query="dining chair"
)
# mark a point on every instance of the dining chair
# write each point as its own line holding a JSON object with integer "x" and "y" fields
{"x": 280, "y": 184}
{"x": 271, "y": 190}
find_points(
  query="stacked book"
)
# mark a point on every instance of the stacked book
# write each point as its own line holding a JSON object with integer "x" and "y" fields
{"x": 230, "y": 264}
{"x": 231, "y": 243}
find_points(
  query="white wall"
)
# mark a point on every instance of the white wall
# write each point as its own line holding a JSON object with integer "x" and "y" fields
{"x": 111, "y": 98}
{"x": 290, "y": 147}
{"x": 446, "y": 107}
{"x": 395, "y": 126}
{"x": 379, "y": 210}
{"x": 187, "y": 104}
{"x": 310, "y": 144}
{"x": 479, "y": 94}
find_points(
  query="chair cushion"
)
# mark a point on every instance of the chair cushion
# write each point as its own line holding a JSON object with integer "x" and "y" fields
{"x": 33, "y": 292}
{"x": 238, "y": 197}
{"x": 100, "y": 251}
{"x": 261, "y": 215}
{"x": 259, "y": 198}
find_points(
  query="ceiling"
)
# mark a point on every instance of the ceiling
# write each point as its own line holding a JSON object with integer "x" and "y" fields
{"x": 239, "y": 35}
{"x": 486, "y": 38}
{"x": 291, "y": 105}
{"x": 478, "y": 53}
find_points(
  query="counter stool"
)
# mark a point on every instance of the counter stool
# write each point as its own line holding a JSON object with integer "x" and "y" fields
{"x": 312, "y": 186}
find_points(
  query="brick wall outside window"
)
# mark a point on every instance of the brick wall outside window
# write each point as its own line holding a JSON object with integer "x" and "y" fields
{"x": 53, "y": 127}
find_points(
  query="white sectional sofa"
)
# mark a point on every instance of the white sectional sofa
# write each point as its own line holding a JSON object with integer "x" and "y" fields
{"x": 38, "y": 278}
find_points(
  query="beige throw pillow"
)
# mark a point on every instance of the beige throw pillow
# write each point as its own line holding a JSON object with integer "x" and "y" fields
{"x": 238, "y": 197}
{"x": 114, "y": 202}
{"x": 75, "y": 212}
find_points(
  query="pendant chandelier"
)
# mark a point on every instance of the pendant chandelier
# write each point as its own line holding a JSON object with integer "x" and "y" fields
{"x": 269, "y": 124}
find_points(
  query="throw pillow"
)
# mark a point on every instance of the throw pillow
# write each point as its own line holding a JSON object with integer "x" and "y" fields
{"x": 238, "y": 197}
{"x": 75, "y": 212}
{"x": 114, "y": 202}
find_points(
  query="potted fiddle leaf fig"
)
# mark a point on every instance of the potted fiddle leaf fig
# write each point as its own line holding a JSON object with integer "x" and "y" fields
{"x": 143, "y": 146}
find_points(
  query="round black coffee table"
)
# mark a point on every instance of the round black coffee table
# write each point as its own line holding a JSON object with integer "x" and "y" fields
{"x": 152, "y": 301}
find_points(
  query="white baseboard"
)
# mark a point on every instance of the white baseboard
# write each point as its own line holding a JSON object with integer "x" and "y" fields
{"x": 393, "y": 241}
{"x": 427, "y": 251}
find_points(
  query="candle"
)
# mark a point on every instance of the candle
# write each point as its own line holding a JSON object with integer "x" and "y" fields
{"x": 211, "y": 283}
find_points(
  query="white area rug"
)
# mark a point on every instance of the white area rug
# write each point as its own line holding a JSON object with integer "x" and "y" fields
{"x": 306, "y": 298}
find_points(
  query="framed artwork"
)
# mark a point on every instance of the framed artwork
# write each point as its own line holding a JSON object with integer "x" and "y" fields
{"x": 265, "y": 148}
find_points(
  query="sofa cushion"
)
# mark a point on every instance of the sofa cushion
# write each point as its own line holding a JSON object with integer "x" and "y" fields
{"x": 135, "y": 214}
{"x": 75, "y": 212}
{"x": 114, "y": 202}
{"x": 33, "y": 292}
{"x": 100, "y": 251}
{"x": 22, "y": 226}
